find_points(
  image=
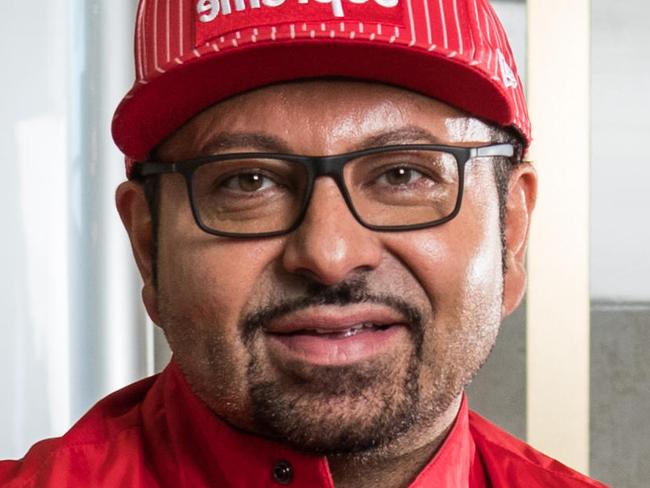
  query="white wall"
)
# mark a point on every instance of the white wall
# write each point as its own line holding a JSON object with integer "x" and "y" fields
{"x": 69, "y": 301}
{"x": 620, "y": 204}
{"x": 34, "y": 199}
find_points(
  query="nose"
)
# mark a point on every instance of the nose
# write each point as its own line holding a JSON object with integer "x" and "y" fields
{"x": 330, "y": 245}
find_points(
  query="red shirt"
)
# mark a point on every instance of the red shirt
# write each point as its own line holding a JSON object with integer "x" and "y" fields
{"x": 157, "y": 433}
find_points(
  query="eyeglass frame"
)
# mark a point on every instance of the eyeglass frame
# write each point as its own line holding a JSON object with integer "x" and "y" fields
{"x": 316, "y": 166}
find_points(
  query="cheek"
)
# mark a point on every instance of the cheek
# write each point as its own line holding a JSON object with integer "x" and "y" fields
{"x": 213, "y": 279}
{"x": 484, "y": 264}
{"x": 459, "y": 263}
{"x": 204, "y": 283}
{"x": 206, "y": 276}
{"x": 458, "y": 266}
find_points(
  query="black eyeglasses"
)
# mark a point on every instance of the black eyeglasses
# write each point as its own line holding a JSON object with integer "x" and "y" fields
{"x": 389, "y": 188}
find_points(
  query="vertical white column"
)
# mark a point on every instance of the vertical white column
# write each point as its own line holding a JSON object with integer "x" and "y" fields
{"x": 125, "y": 329}
{"x": 558, "y": 291}
{"x": 109, "y": 337}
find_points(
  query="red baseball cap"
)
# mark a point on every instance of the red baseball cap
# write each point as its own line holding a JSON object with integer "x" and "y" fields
{"x": 191, "y": 54}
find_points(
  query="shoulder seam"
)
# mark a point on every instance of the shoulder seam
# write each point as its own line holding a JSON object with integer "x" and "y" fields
{"x": 571, "y": 475}
{"x": 59, "y": 450}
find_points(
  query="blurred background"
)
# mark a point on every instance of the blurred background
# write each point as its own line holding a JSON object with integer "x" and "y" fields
{"x": 72, "y": 327}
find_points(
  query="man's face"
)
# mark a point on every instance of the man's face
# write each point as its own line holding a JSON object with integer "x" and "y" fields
{"x": 334, "y": 338}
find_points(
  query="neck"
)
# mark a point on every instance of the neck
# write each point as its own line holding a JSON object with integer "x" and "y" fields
{"x": 397, "y": 465}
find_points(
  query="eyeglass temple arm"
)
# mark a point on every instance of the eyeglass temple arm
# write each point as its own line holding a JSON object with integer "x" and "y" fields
{"x": 503, "y": 150}
{"x": 150, "y": 168}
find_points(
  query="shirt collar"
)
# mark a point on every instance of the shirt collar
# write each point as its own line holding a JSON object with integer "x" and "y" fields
{"x": 453, "y": 463}
{"x": 206, "y": 450}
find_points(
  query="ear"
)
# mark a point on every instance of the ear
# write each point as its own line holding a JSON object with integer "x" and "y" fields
{"x": 136, "y": 217}
{"x": 520, "y": 202}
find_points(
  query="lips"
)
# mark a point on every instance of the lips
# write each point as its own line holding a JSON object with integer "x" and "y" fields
{"x": 329, "y": 335}
{"x": 330, "y": 319}
{"x": 339, "y": 333}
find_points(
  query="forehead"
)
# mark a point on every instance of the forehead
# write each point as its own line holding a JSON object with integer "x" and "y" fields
{"x": 326, "y": 116}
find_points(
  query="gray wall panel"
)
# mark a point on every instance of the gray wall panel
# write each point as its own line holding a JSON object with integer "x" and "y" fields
{"x": 620, "y": 236}
{"x": 620, "y": 394}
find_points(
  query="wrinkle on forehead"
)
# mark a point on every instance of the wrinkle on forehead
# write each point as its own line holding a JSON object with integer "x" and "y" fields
{"x": 324, "y": 117}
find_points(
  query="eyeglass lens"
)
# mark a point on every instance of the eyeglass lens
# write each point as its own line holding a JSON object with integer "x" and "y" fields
{"x": 392, "y": 188}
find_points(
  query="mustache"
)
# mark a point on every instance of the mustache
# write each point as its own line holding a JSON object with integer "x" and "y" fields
{"x": 346, "y": 293}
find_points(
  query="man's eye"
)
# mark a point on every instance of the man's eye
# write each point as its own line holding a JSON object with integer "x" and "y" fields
{"x": 248, "y": 182}
{"x": 400, "y": 175}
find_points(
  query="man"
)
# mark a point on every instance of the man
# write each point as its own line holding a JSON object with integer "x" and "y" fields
{"x": 329, "y": 210}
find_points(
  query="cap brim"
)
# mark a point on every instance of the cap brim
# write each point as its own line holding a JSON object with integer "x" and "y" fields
{"x": 153, "y": 111}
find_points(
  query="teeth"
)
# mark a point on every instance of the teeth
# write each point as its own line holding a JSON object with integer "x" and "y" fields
{"x": 344, "y": 333}
{"x": 348, "y": 333}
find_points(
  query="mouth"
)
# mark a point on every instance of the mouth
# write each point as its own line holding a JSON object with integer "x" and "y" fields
{"x": 339, "y": 336}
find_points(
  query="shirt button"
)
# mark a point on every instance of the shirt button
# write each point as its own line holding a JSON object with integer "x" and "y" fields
{"x": 282, "y": 472}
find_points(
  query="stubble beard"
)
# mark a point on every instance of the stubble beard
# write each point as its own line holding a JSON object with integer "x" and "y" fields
{"x": 362, "y": 410}
{"x": 358, "y": 409}
{"x": 336, "y": 410}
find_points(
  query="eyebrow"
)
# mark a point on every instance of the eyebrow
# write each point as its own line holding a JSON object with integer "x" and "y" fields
{"x": 404, "y": 135}
{"x": 225, "y": 141}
